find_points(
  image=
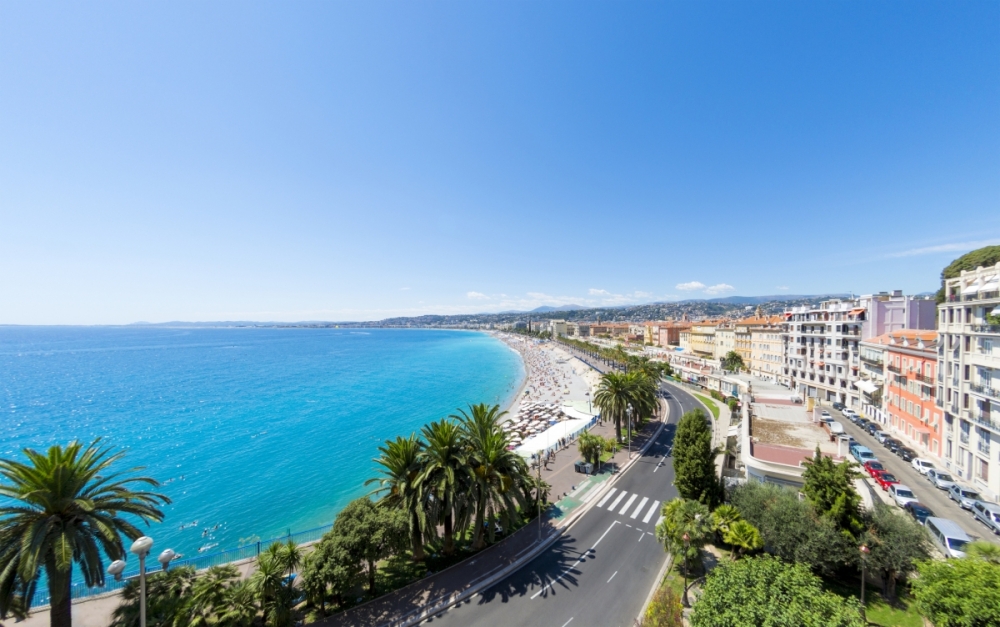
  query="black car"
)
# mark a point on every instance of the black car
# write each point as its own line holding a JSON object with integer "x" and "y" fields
{"x": 872, "y": 427}
{"x": 839, "y": 406}
{"x": 863, "y": 422}
{"x": 892, "y": 445}
{"x": 906, "y": 453}
{"x": 918, "y": 510}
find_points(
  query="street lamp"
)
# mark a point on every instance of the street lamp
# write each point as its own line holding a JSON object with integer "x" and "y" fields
{"x": 864, "y": 552}
{"x": 538, "y": 495}
{"x": 141, "y": 549}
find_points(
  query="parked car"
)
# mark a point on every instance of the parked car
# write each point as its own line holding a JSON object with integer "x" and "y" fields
{"x": 886, "y": 479}
{"x": 862, "y": 454}
{"x": 918, "y": 510}
{"x": 838, "y": 406}
{"x": 853, "y": 415}
{"x": 862, "y": 422}
{"x": 988, "y": 514}
{"x": 940, "y": 478}
{"x": 966, "y": 497}
{"x": 922, "y": 465}
{"x": 881, "y": 436}
{"x": 908, "y": 454}
{"x": 872, "y": 467}
{"x": 902, "y": 494}
{"x": 872, "y": 428}
{"x": 947, "y": 535}
{"x": 825, "y": 414}
{"x": 892, "y": 444}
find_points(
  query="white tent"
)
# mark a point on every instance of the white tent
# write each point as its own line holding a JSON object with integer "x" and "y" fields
{"x": 576, "y": 414}
{"x": 549, "y": 438}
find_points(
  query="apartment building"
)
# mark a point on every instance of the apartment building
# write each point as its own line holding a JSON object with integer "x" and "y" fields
{"x": 670, "y": 333}
{"x": 871, "y": 377}
{"x": 702, "y": 338}
{"x": 969, "y": 377}
{"x": 725, "y": 340}
{"x": 909, "y": 398}
{"x": 767, "y": 351}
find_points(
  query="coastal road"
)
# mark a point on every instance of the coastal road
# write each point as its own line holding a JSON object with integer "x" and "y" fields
{"x": 601, "y": 570}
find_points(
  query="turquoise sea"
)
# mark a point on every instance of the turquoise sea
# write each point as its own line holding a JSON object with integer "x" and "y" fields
{"x": 253, "y": 431}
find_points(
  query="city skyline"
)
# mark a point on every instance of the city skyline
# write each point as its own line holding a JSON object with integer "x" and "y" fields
{"x": 359, "y": 162}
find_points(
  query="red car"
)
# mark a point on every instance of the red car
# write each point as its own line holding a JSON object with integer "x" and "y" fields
{"x": 886, "y": 479}
{"x": 873, "y": 467}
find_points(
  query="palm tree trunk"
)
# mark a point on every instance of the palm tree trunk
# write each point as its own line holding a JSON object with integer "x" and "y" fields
{"x": 479, "y": 538}
{"x": 449, "y": 535}
{"x": 417, "y": 539}
{"x": 618, "y": 429}
{"x": 60, "y": 612}
{"x": 371, "y": 578}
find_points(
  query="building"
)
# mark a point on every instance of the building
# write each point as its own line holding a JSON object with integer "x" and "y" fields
{"x": 703, "y": 338}
{"x": 725, "y": 340}
{"x": 767, "y": 351}
{"x": 968, "y": 379}
{"x": 670, "y": 333}
{"x": 684, "y": 340}
{"x": 909, "y": 399}
{"x": 871, "y": 377}
{"x": 892, "y": 312}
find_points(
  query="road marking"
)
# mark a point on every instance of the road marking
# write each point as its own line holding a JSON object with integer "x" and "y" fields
{"x": 638, "y": 508}
{"x": 609, "y": 581}
{"x": 549, "y": 585}
{"x": 606, "y": 497}
{"x": 628, "y": 503}
{"x": 617, "y": 500}
{"x": 659, "y": 520}
{"x": 568, "y": 622}
{"x": 629, "y": 526}
{"x": 641, "y": 536}
{"x": 652, "y": 510}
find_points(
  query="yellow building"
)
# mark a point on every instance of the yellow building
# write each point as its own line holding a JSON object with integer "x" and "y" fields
{"x": 703, "y": 338}
{"x": 766, "y": 351}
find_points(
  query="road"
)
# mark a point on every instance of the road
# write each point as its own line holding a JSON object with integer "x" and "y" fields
{"x": 924, "y": 490}
{"x": 602, "y": 569}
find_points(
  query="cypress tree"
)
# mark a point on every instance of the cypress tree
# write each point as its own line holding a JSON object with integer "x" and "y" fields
{"x": 694, "y": 460}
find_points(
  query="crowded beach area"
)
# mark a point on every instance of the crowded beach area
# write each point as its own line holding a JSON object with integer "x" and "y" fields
{"x": 555, "y": 403}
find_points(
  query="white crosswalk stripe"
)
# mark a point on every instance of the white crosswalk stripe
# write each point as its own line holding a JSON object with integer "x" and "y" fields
{"x": 618, "y": 500}
{"x": 652, "y": 510}
{"x": 606, "y": 497}
{"x": 627, "y": 504}
{"x": 638, "y": 508}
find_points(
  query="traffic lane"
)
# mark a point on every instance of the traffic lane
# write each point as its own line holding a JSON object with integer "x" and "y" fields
{"x": 924, "y": 490}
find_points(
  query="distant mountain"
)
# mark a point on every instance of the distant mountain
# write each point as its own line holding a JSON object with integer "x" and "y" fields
{"x": 757, "y": 300}
{"x": 547, "y": 309}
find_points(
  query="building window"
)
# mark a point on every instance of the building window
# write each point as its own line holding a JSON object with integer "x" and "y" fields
{"x": 984, "y": 470}
{"x": 984, "y": 441}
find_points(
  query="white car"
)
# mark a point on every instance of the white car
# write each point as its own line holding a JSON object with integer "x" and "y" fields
{"x": 901, "y": 494}
{"x": 921, "y": 465}
{"x": 940, "y": 478}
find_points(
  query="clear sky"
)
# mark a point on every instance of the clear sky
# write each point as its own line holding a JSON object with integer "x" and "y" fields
{"x": 348, "y": 161}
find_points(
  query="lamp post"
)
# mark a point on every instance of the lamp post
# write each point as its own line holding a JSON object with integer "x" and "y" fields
{"x": 538, "y": 495}
{"x": 141, "y": 549}
{"x": 687, "y": 540}
{"x": 864, "y": 552}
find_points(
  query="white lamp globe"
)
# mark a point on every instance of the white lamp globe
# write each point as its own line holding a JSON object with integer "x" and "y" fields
{"x": 141, "y": 546}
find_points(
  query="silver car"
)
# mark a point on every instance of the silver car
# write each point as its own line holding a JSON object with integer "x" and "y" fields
{"x": 940, "y": 478}
{"x": 966, "y": 497}
{"x": 988, "y": 514}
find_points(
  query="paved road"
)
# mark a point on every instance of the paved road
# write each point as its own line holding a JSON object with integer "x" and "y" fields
{"x": 600, "y": 572}
{"x": 924, "y": 490}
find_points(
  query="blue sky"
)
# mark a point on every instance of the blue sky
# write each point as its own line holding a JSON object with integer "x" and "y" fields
{"x": 344, "y": 161}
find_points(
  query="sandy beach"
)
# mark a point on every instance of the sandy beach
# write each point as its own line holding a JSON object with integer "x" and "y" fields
{"x": 553, "y": 375}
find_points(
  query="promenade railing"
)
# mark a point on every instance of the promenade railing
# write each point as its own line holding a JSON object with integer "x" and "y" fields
{"x": 199, "y": 562}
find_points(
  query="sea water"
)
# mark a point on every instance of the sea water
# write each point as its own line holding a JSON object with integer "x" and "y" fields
{"x": 253, "y": 432}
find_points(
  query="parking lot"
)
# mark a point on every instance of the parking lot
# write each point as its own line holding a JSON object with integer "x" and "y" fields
{"x": 932, "y": 497}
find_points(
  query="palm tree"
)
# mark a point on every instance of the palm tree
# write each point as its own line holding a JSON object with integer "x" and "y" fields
{"x": 270, "y": 585}
{"x": 240, "y": 608}
{"x": 723, "y": 517}
{"x": 167, "y": 600}
{"x": 499, "y": 485}
{"x": 444, "y": 473}
{"x": 613, "y": 398}
{"x": 64, "y": 507}
{"x": 743, "y": 536}
{"x": 208, "y": 598}
{"x": 401, "y": 465}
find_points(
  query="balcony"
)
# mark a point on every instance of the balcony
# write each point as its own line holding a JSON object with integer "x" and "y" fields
{"x": 922, "y": 378}
{"x": 977, "y": 296}
{"x": 877, "y": 361}
{"x": 984, "y": 390}
{"x": 983, "y": 420}
{"x": 985, "y": 328}
{"x": 892, "y": 368}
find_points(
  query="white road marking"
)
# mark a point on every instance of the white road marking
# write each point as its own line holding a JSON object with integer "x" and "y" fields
{"x": 628, "y": 503}
{"x": 652, "y": 510}
{"x": 638, "y": 508}
{"x": 577, "y": 563}
{"x": 605, "y": 499}
{"x": 617, "y": 500}
{"x": 568, "y": 622}
{"x": 641, "y": 536}
{"x": 609, "y": 581}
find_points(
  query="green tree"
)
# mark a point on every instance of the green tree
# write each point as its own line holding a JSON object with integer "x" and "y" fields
{"x": 733, "y": 361}
{"x": 766, "y": 592}
{"x": 664, "y": 609}
{"x": 270, "y": 583}
{"x": 742, "y": 536}
{"x": 591, "y": 447}
{"x": 724, "y": 516}
{"x": 240, "y": 609}
{"x": 958, "y": 592}
{"x": 896, "y": 543}
{"x": 500, "y": 488}
{"x": 66, "y": 506}
{"x": 168, "y": 600}
{"x": 614, "y": 398}
{"x": 370, "y": 533}
{"x": 210, "y": 595}
{"x": 791, "y": 529}
{"x": 694, "y": 459}
{"x": 829, "y": 486}
{"x": 330, "y": 571}
{"x": 986, "y": 257}
{"x": 400, "y": 462}
{"x": 445, "y": 475}
{"x": 683, "y": 517}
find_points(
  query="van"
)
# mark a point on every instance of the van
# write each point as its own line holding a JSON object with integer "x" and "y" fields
{"x": 862, "y": 454}
{"x": 948, "y": 536}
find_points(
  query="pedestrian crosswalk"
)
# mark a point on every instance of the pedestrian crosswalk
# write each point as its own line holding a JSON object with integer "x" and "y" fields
{"x": 614, "y": 498}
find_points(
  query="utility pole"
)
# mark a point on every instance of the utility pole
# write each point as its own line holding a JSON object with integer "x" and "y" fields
{"x": 539, "y": 495}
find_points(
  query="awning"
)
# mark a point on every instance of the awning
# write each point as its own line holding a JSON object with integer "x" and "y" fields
{"x": 857, "y": 311}
{"x": 971, "y": 288}
{"x": 866, "y": 386}
{"x": 788, "y": 315}
{"x": 990, "y": 285}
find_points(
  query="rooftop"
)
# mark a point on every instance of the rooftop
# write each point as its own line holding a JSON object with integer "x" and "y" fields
{"x": 786, "y": 434}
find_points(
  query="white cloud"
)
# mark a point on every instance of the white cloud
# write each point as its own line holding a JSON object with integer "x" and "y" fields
{"x": 690, "y": 287}
{"x": 539, "y": 295}
{"x": 944, "y": 248}
{"x": 477, "y": 296}
{"x": 783, "y": 288}
{"x": 720, "y": 288}
{"x": 639, "y": 294}
{"x": 596, "y": 292}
